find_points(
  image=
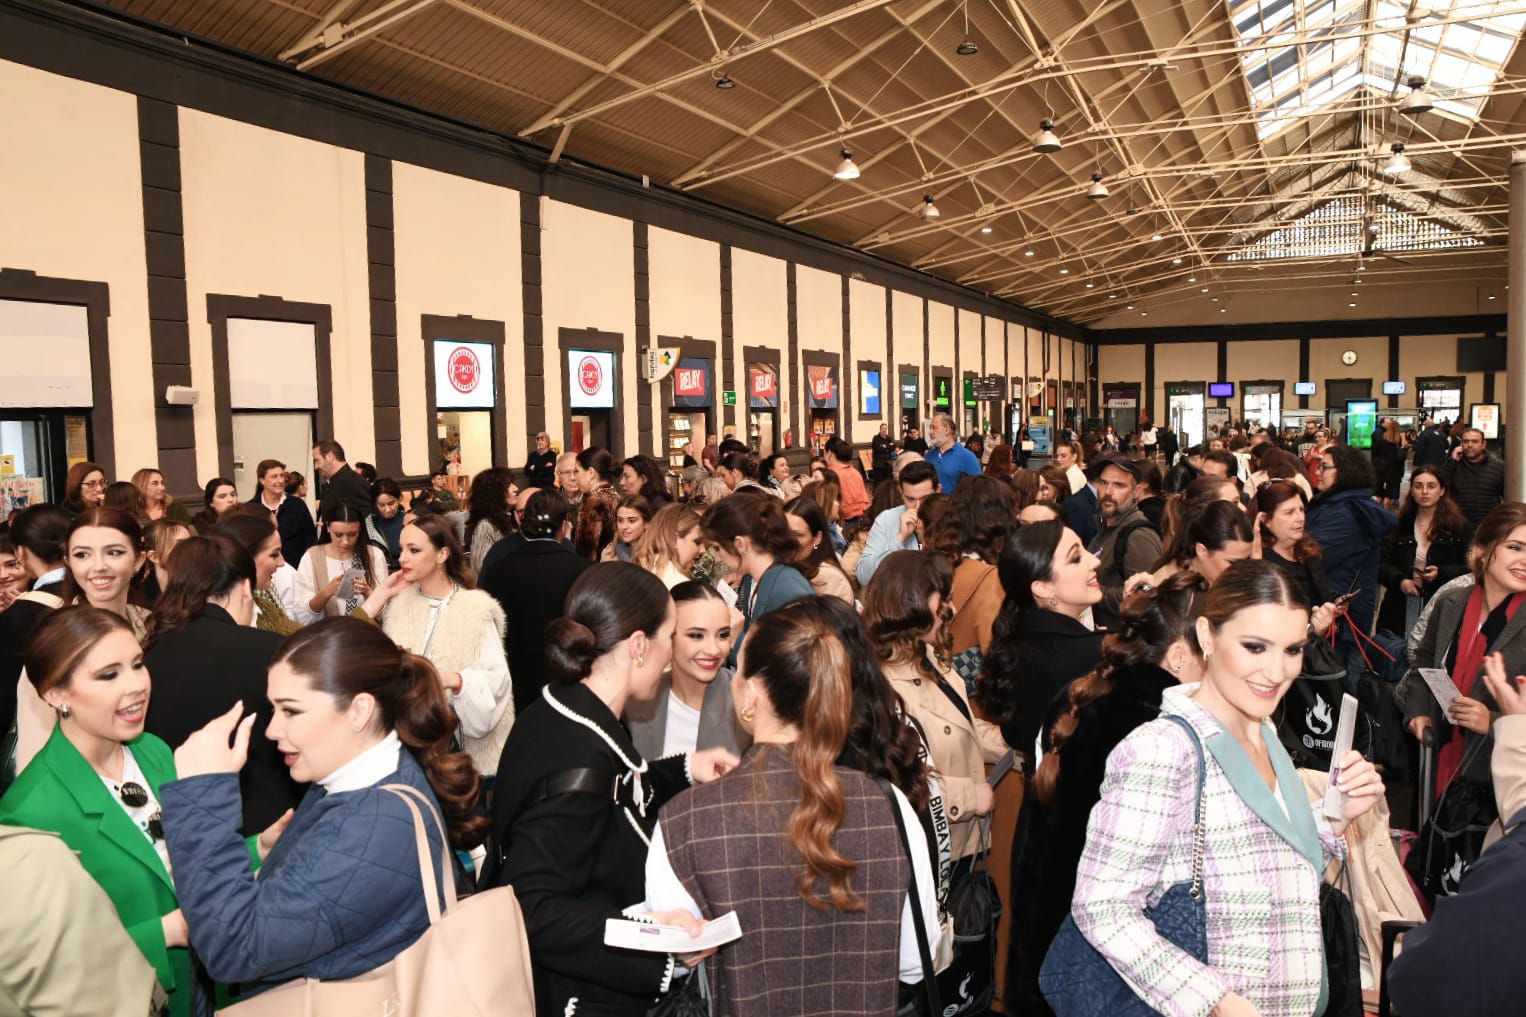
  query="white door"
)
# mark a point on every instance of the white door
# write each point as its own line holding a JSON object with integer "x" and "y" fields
{"x": 284, "y": 435}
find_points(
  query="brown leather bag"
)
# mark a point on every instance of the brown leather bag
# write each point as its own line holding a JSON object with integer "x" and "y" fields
{"x": 472, "y": 961}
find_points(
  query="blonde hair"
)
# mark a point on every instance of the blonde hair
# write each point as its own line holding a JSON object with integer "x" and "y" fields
{"x": 140, "y": 481}
{"x": 658, "y": 545}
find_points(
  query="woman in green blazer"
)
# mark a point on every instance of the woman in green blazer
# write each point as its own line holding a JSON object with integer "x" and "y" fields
{"x": 96, "y": 782}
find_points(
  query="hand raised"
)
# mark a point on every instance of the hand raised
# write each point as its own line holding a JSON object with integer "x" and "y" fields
{"x": 1505, "y": 691}
{"x": 209, "y": 750}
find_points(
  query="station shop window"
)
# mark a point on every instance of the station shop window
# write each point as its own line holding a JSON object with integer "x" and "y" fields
{"x": 1441, "y": 398}
{"x": 1261, "y": 403}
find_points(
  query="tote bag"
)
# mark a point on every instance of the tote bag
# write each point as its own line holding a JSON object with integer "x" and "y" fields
{"x": 472, "y": 961}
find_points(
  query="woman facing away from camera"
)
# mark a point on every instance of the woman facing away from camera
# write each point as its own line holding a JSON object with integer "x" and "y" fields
{"x": 805, "y": 850}
{"x": 1264, "y": 847}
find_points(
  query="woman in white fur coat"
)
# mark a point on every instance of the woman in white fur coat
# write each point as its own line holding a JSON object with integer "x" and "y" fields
{"x": 441, "y": 615}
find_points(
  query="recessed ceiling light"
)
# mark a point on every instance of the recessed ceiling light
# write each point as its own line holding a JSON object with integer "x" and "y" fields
{"x": 1128, "y": 307}
{"x": 1144, "y": 314}
{"x": 1176, "y": 261}
{"x": 1223, "y": 310}
{"x": 985, "y": 229}
{"x": 1216, "y": 300}
{"x": 1203, "y": 290}
{"x": 1192, "y": 278}
{"x": 1352, "y": 304}
{"x": 1064, "y": 270}
{"x": 1028, "y": 253}
{"x": 1491, "y": 296}
{"x": 1093, "y": 286}
{"x": 1112, "y": 296}
{"x": 1361, "y": 268}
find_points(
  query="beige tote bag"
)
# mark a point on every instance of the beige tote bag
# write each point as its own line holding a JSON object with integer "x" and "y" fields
{"x": 472, "y": 961}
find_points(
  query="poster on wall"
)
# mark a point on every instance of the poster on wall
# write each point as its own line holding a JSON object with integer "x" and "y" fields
{"x": 1361, "y": 421}
{"x": 1485, "y": 417}
{"x": 1041, "y": 434}
{"x": 1216, "y": 419}
{"x": 869, "y": 393}
{"x": 821, "y": 387}
{"x": 691, "y": 383}
{"x": 17, "y": 493}
{"x": 463, "y": 375}
{"x": 590, "y": 380}
{"x": 762, "y": 386}
{"x": 911, "y": 392}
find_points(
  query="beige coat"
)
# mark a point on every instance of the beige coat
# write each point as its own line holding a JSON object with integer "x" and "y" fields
{"x": 960, "y": 749}
{"x": 977, "y": 598}
{"x": 62, "y": 947}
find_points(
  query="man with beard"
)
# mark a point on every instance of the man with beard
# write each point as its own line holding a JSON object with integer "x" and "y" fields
{"x": 1125, "y": 543}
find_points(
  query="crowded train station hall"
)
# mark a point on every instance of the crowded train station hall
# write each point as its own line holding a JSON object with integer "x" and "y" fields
{"x": 762, "y": 508}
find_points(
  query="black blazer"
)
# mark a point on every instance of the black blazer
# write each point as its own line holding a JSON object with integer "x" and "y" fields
{"x": 1045, "y": 862}
{"x": 531, "y": 583}
{"x": 1448, "y": 552}
{"x": 348, "y": 487}
{"x": 295, "y": 524}
{"x": 198, "y": 672}
{"x": 1052, "y": 651}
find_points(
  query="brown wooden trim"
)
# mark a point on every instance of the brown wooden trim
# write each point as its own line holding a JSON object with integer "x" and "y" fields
{"x": 603, "y": 342}
{"x": 534, "y": 323}
{"x": 1461, "y": 324}
{"x": 386, "y": 413}
{"x": 646, "y": 413}
{"x": 95, "y": 298}
{"x": 727, "y": 369}
{"x": 464, "y": 328}
{"x": 791, "y": 405}
{"x": 221, "y": 307}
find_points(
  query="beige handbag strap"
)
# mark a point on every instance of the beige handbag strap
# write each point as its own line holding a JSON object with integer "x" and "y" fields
{"x": 411, "y": 796}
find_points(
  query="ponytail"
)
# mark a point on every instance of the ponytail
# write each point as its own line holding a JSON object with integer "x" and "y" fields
{"x": 796, "y": 653}
{"x": 344, "y": 657}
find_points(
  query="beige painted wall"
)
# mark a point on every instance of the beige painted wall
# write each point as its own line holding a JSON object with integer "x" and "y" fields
{"x": 969, "y": 342}
{"x": 588, "y": 281}
{"x": 456, "y": 244}
{"x": 272, "y": 214}
{"x": 906, "y": 319}
{"x": 685, "y": 285}
{"x": 818, "y": 310}
{"x": 940, "y": 335}
{"x": 866, "y": 311}
{"x": 74, "y": 210}
{"x": 1122, "y": 364}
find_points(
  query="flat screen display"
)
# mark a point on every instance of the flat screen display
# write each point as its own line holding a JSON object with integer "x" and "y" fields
{"x": 1393, "y": 388}
{"x": 590, "y": 380}
{"x": 1221, "y": 390}
{"x": 1303, "y": 388}
{"x": 1361, "y": 421}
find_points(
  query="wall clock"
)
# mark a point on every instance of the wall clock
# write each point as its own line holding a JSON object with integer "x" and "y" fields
{"x": 1348, "y": 358}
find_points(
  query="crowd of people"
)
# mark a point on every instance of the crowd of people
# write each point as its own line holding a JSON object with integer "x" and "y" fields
{"x": 625, "y": 691}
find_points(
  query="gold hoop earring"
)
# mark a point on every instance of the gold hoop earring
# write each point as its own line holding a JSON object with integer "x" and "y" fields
{"x": 640, "y": 661}
{"x": 747, "y": 713}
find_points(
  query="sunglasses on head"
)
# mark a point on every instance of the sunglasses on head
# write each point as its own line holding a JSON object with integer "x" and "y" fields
{"x": 135, "y": 796}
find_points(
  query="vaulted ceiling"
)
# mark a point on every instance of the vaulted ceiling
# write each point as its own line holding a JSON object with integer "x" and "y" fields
{"x": 1241, "y": 143}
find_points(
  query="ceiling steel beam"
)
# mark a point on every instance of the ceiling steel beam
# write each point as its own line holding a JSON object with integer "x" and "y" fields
{"x": 344, "y": 36}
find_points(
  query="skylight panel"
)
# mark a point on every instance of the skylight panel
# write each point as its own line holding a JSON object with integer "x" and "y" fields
{"x": 1460, "y": 61}
{"x": 1338, "y": 228}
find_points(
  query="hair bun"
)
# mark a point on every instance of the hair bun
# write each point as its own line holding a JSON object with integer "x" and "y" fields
{"x": 571, "y": 649}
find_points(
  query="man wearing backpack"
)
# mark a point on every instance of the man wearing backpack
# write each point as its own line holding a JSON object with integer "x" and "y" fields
{"x": 1126, "y": 543}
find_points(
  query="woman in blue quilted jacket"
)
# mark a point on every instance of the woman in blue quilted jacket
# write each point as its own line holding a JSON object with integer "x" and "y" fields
{"x": 339, "y": 894}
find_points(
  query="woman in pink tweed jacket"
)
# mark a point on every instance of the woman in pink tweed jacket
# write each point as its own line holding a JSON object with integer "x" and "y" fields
{"x": 1266, "y": 846}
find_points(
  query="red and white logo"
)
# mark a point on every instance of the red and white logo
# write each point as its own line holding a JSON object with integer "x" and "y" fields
{"x": 689, "y": 381}
{"x": 764, "y": 384}
{"x": 590, "y": 376}
{"x": 821, "y": 388}
{"x": 464, "y": 369}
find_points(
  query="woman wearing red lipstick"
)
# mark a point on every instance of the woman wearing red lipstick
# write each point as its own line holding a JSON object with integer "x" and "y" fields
{"x": 692, "y": 709}
{"x": 96, "y": 782}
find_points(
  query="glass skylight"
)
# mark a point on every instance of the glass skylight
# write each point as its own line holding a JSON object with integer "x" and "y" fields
{"x": 1339, "y": 227}
{"x": 1302, "y": 56}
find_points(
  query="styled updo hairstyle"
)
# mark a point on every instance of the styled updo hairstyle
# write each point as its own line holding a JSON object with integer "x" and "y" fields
{"x": 756, "y": 516}
{"x": 1253, "y": 582}
{"x": 248, "y": 530}
{"x": 61, "y": 640}
{"x": 345, "y": 657}
{"x": 798, "y": 656}
{"x": 1149, "y": 621}
{"x": 1212, "y": 525}
{"x": 543, "y": 515}
{"x": 107, "y": 519}
{"x": 895, "y": 606}
{"x": 442, "y": 536}
{"x": 601, "y": 462}
{"x": 741, "y": 462}
{"x": 124, "y": 495}
{"x": 200, "y": 569}
{"x": 40, "y": 531}
{"x": 608, "y": 604}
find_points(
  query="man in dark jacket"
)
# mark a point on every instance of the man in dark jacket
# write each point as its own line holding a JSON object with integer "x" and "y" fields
{"x": 1126, "y": 542}
{"x": 1431, "y": 446}
{"x": 883, "y": 446}
{"x": 1474, "y": 478}
{"x": 540, "y": 468}
{"x": 1168, "y": 445}
{"x": 342, "y": 485}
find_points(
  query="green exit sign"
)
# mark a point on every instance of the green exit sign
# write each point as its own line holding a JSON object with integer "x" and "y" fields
{"x": 729, "y": 398}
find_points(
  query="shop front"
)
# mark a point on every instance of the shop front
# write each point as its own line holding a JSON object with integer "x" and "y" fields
{"x": 466, "y": 395}
{"x": 690, "y": 410}
{"x": 590, "y": 399}
{"x": 1120, "y": 406}
{"x": 762, "y": 407}
{"x": 822, "y": 398}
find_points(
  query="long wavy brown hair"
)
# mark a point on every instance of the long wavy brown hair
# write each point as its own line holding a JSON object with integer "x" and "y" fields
{"x": 805, "y": 669}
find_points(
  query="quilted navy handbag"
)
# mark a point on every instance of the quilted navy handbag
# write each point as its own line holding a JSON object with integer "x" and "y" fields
{"x": 1078, "y": 981}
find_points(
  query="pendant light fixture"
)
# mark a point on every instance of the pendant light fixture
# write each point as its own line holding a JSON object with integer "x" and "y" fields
{"x": 1046, "y": 140}
{"x": 928, "y": 209}
{"x": 1398, "y": 162}
{"x": 723, "y": 81}
{"x": 847, "y": 169}
{"x": 1419, "y": 99}
{"x": 1098, "y": 189}
{"x": 967, "y": 47}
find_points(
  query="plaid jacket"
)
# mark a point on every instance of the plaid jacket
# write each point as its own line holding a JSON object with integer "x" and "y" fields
{"x": 1261, "y": 873}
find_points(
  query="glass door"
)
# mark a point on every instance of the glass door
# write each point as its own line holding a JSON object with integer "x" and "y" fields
{"x": 1185, "y": 404}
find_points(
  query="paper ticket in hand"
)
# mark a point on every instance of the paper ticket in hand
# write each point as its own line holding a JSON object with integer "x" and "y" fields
{"x": 1345, "y": 734}
{"x": 640, "y": 935}
{"x": 1441, "y": 686}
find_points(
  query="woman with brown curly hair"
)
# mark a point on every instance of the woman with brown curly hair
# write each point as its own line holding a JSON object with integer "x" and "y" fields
{"x": 339, "y": 894}
{"x": 824, "y": 864}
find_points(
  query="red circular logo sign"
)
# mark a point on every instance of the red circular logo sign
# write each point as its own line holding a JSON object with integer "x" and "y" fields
{"x": 465, "y": 372}
{"x": 590, "y": 375}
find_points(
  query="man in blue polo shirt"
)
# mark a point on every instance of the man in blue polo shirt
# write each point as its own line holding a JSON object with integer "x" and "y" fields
{"x": 951, "y": 459}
